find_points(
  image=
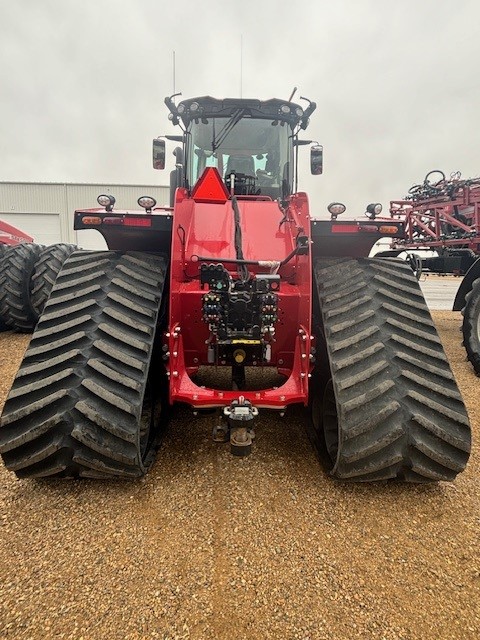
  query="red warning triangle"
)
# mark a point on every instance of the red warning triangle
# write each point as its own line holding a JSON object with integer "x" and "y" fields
{"x": 210, "y": 187}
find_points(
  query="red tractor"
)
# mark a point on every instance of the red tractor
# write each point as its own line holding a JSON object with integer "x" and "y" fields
{"x": 11, "y": 236}
{"x": 234, "y": 299}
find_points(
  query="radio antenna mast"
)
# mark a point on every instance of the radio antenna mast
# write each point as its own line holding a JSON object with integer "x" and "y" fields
{"x": 241, "y": 66}
{"x": 174, "y": 92}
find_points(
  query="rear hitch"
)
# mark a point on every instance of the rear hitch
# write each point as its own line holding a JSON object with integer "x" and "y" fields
{"x": 240, "y": 415}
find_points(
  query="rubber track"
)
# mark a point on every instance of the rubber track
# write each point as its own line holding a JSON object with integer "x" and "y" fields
{"x": 471, "y": 325}
{"x": 76, "y": 403}
{"x": 46, "y": 270}
{"x": 400, "y": 414}
{"x": 15, "y": 304}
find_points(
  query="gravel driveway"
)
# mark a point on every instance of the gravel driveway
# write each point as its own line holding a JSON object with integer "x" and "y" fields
{"x": 209, "y": 546}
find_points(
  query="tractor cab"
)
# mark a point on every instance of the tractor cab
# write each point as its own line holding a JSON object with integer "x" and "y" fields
{"x": 251, "y": 143}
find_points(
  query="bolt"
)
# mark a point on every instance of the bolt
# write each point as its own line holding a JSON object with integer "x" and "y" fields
{"x": 220, "y": 395}
{"x": 257, "y": 396}
{"x": 302, "y": 375}
{"x": 309, "y": 375}
{"x": 195, "y": 396}
{"x": 282, "y": 398}
{"x": 175, "y": 354}
{"x": 195, "y": 360}
{"x": 304, "y": 337}
{"x": 280, "y": 361}
{"x": 167, "y": 335}
{"x": 304, "y": 355}
{"x": 282, "y": 413}
{"x": 175, "y": 374}
{"x": 195, "y": 413}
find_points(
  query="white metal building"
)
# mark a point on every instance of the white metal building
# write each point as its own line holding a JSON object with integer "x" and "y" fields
{"x": 44, "y": 210}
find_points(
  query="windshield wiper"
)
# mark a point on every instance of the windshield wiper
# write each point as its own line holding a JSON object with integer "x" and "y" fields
{"x": 227, "y": 128}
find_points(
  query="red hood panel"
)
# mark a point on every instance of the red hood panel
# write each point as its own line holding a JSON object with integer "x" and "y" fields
{"x": 212, "y": 228}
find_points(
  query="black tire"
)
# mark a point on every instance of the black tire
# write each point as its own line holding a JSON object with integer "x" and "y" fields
{"x": 83, "y": 403}
{"x": 427, "y": 182}
{"x": 471, "y": 325}
{"x": 385, "y": 404}
{"x": 416, "y": 264}
{"x": 15, "y": 303}
{"x": 45, "y": 273}
{"x": 3, "y": 248}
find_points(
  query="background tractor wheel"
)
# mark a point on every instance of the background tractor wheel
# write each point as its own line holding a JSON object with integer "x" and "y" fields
{"x": 471, "y": 325}
{"x": 3, "y": 248}
{"x": 15, "y": 303}
{"x": 47, "y": 267}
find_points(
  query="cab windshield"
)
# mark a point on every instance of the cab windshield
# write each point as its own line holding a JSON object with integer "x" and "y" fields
{"x": 252, "y": 154}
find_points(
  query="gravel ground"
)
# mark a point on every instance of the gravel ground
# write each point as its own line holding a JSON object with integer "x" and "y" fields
{"x": 208, "y": 546}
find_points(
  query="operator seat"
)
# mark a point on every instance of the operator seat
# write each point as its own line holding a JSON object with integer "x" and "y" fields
{"x": 240, "y": 164}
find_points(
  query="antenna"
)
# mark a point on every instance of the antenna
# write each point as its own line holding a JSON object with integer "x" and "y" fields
{"x": 241, "y": 66}
{"x": 174, "y": 92}
{"x": 292, "y": 94}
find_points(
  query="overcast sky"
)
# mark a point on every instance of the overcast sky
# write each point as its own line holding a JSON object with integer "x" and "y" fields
{"x": 396, "y": 84}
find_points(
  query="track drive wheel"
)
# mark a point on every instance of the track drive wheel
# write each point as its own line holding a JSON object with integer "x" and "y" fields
{"x": 383, "y": 401}
{"x": 471, "y": 325}
{"x": 85, "y": 400}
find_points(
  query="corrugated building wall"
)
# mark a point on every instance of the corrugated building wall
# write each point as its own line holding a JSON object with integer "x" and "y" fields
{"x": 45, "y": 210}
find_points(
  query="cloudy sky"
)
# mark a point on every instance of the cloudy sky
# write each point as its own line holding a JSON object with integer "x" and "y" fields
{"x": 396, "y": 84}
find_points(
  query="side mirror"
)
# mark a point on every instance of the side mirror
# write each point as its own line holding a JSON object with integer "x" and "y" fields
{"x": 316, "y": 160}
{"x": 159, "y": 153}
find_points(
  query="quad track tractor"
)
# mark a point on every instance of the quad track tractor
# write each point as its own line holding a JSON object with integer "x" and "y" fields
{"x": 235, "y": 299}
